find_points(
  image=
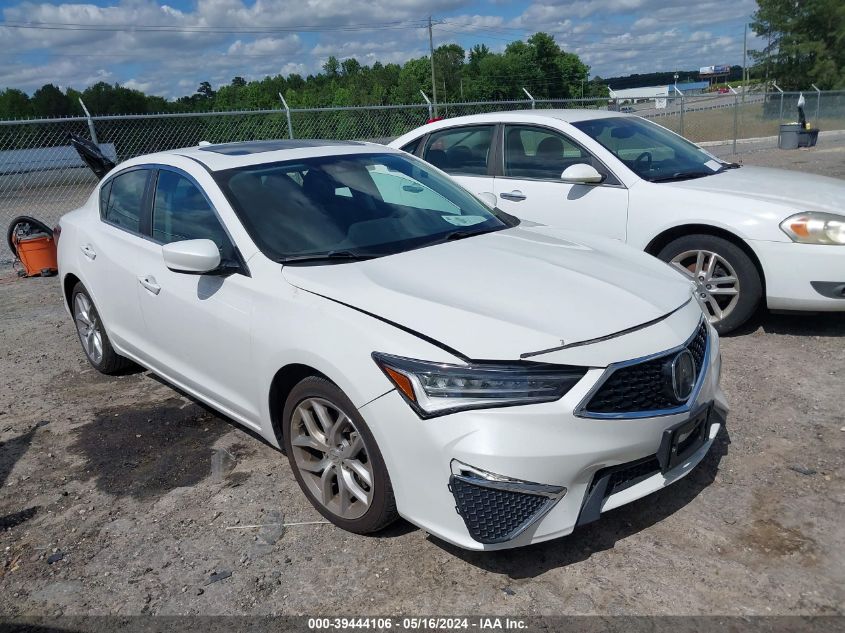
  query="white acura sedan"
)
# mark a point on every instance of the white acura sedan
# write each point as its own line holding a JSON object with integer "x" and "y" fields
{"x": 740, "y": 233}
{"x": 412, "y": 351}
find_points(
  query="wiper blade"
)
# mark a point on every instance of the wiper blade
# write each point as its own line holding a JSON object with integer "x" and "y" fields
{"x": 683, "y": 175}
{"x": 726, "y": 166}
{"x": 459, "y": 235}
{"x": 351, "y": 256}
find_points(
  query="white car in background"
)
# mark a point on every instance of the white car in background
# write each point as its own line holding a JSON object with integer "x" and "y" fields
{"x": 740, "y": 233}
{"x": 399, "y": 339}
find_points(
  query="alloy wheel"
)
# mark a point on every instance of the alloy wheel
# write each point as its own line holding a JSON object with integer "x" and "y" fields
{"x": 89, "y": 327}
{"x": 716, "y": 282}
{"x": 332, "y": 458}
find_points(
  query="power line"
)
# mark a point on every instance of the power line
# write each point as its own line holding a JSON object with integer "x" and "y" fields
{"x": 166, "y": 28}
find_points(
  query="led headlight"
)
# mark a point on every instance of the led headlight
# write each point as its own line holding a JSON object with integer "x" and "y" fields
{"x": 815, "y": 227}
{"x": 435, "y": 388}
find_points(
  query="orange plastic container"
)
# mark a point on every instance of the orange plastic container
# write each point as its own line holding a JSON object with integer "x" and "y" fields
{"x": 38, "y": 255}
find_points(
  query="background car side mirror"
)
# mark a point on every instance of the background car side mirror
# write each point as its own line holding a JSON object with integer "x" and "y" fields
{"x": 191, "y": 256}
{"x": 581, "y": 174}
{"x": 488, "y": 198}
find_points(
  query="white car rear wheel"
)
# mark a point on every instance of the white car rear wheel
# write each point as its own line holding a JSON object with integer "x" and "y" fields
{"x": 92, "y": 334}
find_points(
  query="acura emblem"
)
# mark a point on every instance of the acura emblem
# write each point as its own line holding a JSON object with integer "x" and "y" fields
{"x": 679, "y": 373}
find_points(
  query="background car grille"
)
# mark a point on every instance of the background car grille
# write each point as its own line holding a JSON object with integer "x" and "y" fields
{"x": 641, "y": 387}
{"x": 493, "y": 515}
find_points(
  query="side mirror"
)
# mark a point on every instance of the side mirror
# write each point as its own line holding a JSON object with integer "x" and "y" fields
{"x": 581, "y": 174}
{"x": 191, "y": 256}
{"x": 488, "y": 198}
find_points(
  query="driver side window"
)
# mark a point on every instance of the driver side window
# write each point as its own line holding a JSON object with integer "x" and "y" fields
{"x": 181, "y": 212}
{"x": 542, "y": 154}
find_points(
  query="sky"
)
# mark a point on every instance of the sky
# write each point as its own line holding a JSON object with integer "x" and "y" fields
{"x": 168, "y": 48}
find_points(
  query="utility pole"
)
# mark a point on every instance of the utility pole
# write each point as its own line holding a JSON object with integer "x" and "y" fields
{"x": 431, "y": 50}
{"x": 744, "y": 61}
{"x": 768, "y": 53}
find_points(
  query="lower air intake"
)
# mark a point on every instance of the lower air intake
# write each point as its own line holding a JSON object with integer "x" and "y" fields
{"x": 494, "y": 515}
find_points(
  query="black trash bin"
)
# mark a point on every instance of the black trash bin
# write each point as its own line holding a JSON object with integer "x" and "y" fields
{"x": 808, "y": 138}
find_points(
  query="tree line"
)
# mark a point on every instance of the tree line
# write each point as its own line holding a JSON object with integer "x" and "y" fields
{"x": 537, "y": 64}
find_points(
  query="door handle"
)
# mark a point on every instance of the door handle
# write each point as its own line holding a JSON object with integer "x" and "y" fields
{"x": 149, "y": 282}
{"x": 514, "y": 196}
{"x": 88, "y": 252}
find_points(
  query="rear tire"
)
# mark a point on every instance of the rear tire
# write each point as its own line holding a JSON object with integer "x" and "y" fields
{"x": 728, "y": 284}
{"x": 335, "y": 458}
{"x": 92, "y": 334}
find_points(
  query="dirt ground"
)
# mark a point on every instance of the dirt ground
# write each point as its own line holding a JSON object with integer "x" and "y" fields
{"x": 120, "y": 496}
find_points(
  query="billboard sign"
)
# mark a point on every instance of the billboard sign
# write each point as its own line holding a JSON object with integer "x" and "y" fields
{"x": 722, "y": 69}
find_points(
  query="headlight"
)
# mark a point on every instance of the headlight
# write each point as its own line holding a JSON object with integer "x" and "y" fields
{"x": 815, "y": 227}
{"x": 436, "y": 389}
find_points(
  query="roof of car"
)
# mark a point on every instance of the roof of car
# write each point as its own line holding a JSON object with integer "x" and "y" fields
{"x": 570, "y": 115}
{"x": 256, "y": 147}
{"x": 216, "y": 157}
{"x": 511, "y": 116}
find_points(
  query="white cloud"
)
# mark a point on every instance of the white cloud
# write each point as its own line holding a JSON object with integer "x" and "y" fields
{"x": 613, "y": 36}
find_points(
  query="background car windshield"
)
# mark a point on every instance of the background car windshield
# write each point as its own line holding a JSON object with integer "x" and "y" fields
{"x": 368, "y": 204}
{"x": 650, "y": 151}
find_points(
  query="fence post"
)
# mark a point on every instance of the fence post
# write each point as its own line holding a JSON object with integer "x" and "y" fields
{"x": 90, "y": 122}
{"x": 683, "y": 107}
{"x": 781, "y": 101}
{"x": 530, "y": 97}
{"x": 428, "y": 101}
{"x": 818, "y": 102}
{"x": 736, "y": 115}
{"x": 287, "y": 112}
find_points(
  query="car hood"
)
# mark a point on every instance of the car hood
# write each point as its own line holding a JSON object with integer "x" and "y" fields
{"x": 502, "y": 294}
{"x": 798, "y": 191}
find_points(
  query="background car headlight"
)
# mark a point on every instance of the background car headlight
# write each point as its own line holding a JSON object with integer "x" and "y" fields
{"x": 436, "y": 389}
{"x": 815, "y": 227}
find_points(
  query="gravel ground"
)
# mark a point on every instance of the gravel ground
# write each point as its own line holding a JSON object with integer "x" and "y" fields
{"x": 121, "y": 496}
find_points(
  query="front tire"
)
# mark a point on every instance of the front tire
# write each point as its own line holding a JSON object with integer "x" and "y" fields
{"x": 92, "y": 334}
{"x": 728, "y": 285}
{"x": 335, "y": 458}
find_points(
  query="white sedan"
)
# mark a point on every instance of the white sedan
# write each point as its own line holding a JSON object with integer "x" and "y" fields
{"x": 740, "y": 233}
{"x": 412, "y": 351}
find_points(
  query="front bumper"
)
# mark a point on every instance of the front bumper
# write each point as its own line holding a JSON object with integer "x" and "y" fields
{"x": 791, "y": 270}
{"x": 541, "y": 444}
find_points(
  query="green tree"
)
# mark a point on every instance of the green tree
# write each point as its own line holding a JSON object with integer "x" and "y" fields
{"x": 331, "y": 67}
{"x": 14, "y": 104}
{"x": 805, "y": 42}
{"x": 48, "y": 101}
{"x": 448, "y": 68}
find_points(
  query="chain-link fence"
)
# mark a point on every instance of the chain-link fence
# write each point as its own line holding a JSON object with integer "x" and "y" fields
{"x": 41, "y": 175}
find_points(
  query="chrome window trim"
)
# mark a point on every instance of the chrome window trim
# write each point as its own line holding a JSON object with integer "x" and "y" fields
{"x": 582, "y": 412}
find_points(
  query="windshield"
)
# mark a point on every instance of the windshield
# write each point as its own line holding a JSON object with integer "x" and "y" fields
{"x": 649, "y": 150}
{"x": 347, "y": 207}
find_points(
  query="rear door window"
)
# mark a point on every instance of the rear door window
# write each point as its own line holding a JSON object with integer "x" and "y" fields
{"x": 125, "y": 199}
{"x": 463, "y": 150}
